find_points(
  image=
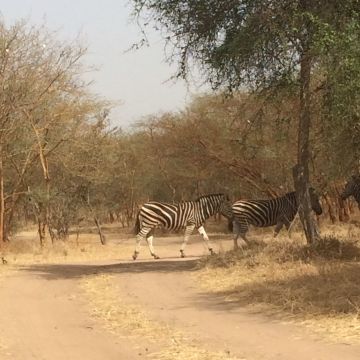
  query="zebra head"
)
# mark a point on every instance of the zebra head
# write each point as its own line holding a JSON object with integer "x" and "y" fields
{"x": 352, "y": 187}
{"x": 225, "y": 208}
{"x": 315, "y": 202}
{"x": 216, "y": 203}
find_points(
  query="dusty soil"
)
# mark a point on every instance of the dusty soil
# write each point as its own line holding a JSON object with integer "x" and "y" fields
{"x": 45, "y": 319}
{"x": 44, "y": 314}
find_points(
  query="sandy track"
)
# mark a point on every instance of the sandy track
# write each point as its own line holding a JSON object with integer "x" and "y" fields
{"x": 44, "y": 315}
{"x": 46, "y": 320}
{"x": 174, "y": 298}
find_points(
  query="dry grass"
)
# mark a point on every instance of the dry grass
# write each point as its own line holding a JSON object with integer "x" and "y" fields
{"x": 24, "y": 248}
{"x": 127, "y": 320}
{"x": 318, "y": 286}
{"x": 181, "y": 352}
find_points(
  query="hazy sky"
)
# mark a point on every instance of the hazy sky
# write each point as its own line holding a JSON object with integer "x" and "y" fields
{"x": 138, "y": 78}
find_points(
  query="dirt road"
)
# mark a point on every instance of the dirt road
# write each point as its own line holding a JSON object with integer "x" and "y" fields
{"x": 45, "y": 320}
{"x": 44, "y": 315}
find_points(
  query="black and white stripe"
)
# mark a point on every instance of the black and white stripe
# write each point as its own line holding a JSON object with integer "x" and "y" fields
{"x": 188, "y": 215}
{"x": 262, "y": 213}
{"x": 352, "y": 188}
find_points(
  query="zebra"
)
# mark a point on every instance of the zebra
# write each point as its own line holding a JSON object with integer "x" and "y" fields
{"x": 190, "y": 214}
{"x": 352, "y": 187}
{"x": 262, "y": 213}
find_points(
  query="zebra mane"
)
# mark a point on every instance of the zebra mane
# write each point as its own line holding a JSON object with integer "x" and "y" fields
{"x": 288, "y": 194}
{"x": 209, "y": 196}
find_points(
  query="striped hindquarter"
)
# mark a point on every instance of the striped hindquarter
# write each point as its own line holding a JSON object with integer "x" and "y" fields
{"x": 188, "y": 215}
{"x": 352, "y": 188}
{"x": 155, "y": 214}
{"x": 262, "y": 213}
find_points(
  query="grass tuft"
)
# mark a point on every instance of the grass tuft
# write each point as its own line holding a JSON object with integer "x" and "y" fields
{"x": 316, "y": 285}
{"x": 25, "y": 249}
{"x": 128, "y": 320}
{"x": 328, "y": 247}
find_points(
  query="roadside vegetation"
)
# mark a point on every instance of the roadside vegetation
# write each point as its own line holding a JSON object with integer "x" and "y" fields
{"x": 314, "y": 285}
{"x": 63, "y": 165}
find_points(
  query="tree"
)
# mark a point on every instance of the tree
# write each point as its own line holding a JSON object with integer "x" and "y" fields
{"x": 341, "y": 99}
{"x": 259, "y": 44}
{"x": 43, "y": 103}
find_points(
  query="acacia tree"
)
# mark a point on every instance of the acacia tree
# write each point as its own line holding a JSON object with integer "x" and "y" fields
{"x": 259, "y": 44}
{"x": 341, "y": 101}
{"x": 43, "y": 102}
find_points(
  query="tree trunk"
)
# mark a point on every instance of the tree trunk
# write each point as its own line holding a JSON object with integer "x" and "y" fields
{"x": 342, "y": 205}
{"x": 48, "y": 208}
{"x": 41, "y": 232}
{"x": 301, "y": 170}
{"x": 96, "y": 220}
{"x": 343, "y": 210}
{"x": 101, "y": 234}
{"x": 38, "y": 209}
{"x": 331, "y": 210}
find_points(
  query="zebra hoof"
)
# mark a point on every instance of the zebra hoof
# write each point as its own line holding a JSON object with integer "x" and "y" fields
{"x": 182, "y": 254}
{"x": 212, "y": 252}
{"x": 135, "y": 255}
{"x": 155, "y": 256}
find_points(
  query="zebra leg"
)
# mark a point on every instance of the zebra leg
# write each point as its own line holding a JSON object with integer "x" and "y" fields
{"x": 243, "y": 236}
{"x": 141, "y": 235}
{"x": 137, "y": 246}
{"x": 236, "y": 232}
{"x": 203, "y": 233}
{"x": 188, "y": 231}
{"x": 278, "y": 227}
{"x": 149, "y": 240}
{"x": 239, "y": 229}
{"x": 288, "y": 228}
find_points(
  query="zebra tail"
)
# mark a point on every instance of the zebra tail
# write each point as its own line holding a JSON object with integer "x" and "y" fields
{"x": 137, "y": 223}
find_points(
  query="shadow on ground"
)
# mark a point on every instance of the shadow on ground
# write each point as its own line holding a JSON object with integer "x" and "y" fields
{"x": 334, "y": 290}
{"x": 71, "y": 271}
